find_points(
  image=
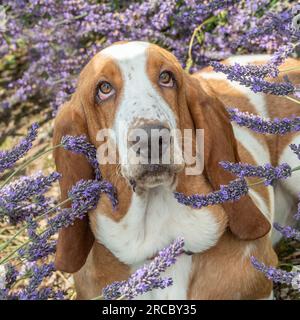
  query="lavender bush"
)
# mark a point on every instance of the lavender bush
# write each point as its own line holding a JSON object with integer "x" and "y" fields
{"x": 43, "y": 46}
{"x": 54, "y": 39}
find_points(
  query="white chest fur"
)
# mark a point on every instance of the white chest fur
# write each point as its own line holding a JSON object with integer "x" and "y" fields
{"x": 151, "y": 223}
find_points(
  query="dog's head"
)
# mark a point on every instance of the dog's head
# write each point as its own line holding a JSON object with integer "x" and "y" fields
{"x": 137, "y": 87}
{"x": 131, "y": 94}
{"x": 135, "y": 102}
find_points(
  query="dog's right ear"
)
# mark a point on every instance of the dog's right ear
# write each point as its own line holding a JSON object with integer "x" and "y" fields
{"x": 75, "y": 242}
{"x": 246, "y": 221}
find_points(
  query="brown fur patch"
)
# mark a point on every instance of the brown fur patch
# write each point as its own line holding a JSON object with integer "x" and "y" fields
{"x": 225, "y": 272}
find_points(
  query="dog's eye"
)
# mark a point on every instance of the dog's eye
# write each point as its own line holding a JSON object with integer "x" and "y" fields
{"x": 105, "y": 90}
{"x": 166, "y": 79}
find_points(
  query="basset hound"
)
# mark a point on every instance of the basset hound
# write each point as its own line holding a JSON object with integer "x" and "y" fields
{"x": 137, "y": 85}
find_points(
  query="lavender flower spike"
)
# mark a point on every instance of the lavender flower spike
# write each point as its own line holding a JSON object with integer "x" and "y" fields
{"x": 34, "y": 291}
{"x": 297, "y": 215}
{"x": 251, "y": 77}
{"x": 88, "y": 192}
{"x": 276, "y": 275}
{"x": 261, "y": 125}
{"x": 147, "y": 278}
{"x": 288, "y": 232}
{"x": 80, "y": 145}
{"x": 269, "y": 69}
{"x": 231, "y": 192}
{"x": 296, "y": 149}
{"x": 10, "y": 157}
{"x": 267, "y": 171}
{"x": 16, "y": 198}
{"x": 85, "y": 196}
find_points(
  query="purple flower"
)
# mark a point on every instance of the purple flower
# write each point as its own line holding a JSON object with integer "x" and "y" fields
{"x": 276, "y": 275}
{"x": 81, "y": 145}
{"x": 85, "y": 196}
{"x": 265, "y": 32}
{"x": 270, "y": 68}
{"x": 87, "y": 193}
{"x": 11, "y": 275}
{"x": 24, "y": 196}
{"x": 44, "y": 293}
{"x": 58, "y": 29}
{"x": 297, "y": 215}
{"x": 250, "y": 76}
{"x": 10, "y": 157}
{"x": 231, "y": 192}
{"x": 296, "y": 149}
{"x": 113, "y": 290}
{"x": 39, "y": 248}
{"x": 8, "y": 276}
{"x": 147, "y": 277}
{"x": 277, "y": 59}
{"x": 262, "y": 125}
{"x": 288, "y": 232}
{"x": 267, "y": 171}
{"x": 27, "y": 186}
{"x": 32, "y": 291}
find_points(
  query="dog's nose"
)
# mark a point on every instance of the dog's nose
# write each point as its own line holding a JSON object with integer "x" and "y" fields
{"x": 150, "y": 142}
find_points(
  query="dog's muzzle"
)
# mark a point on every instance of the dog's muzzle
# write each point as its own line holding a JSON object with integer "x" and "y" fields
{"x": 151, "y": 155}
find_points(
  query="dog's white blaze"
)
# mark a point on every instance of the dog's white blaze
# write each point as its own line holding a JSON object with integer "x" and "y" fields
{"x": 150, "y": 224}
{"x": 140, "y": 100}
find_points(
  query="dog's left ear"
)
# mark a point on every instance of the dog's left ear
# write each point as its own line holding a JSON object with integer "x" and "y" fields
{"x": 74, "y": 242}
{"x": 208, "y": 113}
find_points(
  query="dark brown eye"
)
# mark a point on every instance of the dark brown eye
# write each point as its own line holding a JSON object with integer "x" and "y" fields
{"x": 166, "y": 79}
{"x": 105, "y": 87}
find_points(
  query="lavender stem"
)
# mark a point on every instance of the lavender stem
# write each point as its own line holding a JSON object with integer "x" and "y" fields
{"x": 292, "y": 99}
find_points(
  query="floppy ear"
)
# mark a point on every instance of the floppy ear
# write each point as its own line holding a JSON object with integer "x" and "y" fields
{"x": 208, "y": 113}
{"x": 75, "y": 242}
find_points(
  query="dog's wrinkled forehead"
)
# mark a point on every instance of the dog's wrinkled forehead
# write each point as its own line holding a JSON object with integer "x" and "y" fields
{"x": 140, "y": 99}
